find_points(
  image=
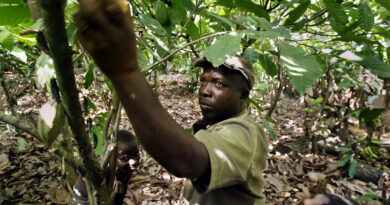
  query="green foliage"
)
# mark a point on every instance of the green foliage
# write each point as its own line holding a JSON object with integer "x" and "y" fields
{"x": 373, "y": 63}
{"x": 248, "y": 5}
{"x": 226, "y": 44}
{"x": 295, "y": 14}
{"x": 13, "y": 15}
{"x": 346, "y": 83}
{"x": 252, "y": 55}
{"x": 152, "y": 24}
{"x": 352, "y": 168}
{"x": 162, "y": 12}
{"x": 89, "y": 76}
{"x": 268, "y": 65}
{"x": 384, "y": 3}
{"x": 348, "y": 158}
{"x": 372, "y": 196}
{"x": 268, "y": 127}
{"x": 192, "y": 30}
{"x": 336, "y": 11}
{"x": 22, "y": 144}
{"x": 97, "y": 138}
{"x": 7, "y": 40}
{"x": 302, "y": 67}
{"x": 366, "y": 17}
{"x": 368, "y": 115}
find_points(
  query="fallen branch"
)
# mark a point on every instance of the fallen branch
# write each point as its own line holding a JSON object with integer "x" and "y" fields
{"x": 31, "y": 130}
{"x": 16, "y": 122}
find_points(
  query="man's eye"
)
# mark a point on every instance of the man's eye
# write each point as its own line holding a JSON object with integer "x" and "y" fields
{"x": 219, "y": 84}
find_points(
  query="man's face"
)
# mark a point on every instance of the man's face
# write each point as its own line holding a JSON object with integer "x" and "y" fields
{"x": 220, "y": 95}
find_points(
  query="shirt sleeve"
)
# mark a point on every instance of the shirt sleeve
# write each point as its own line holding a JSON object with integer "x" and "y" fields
{"x": 231, "y": 148}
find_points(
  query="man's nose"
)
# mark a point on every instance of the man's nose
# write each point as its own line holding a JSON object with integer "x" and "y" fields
{"x": 205, "y": 89}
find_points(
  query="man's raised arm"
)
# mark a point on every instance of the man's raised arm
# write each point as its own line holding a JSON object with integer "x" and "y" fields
{"x": 106, "y": 32}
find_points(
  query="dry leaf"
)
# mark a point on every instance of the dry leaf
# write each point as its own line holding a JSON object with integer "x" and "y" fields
{"x": 315, "y": 176}
{"x": 3, "y": 161}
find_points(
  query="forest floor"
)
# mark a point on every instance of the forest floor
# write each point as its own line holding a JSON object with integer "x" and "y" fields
{"x": 34, "y": 175}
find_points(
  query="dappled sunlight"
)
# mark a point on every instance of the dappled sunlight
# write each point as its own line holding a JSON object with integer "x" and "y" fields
{"x": 351, "y": 56}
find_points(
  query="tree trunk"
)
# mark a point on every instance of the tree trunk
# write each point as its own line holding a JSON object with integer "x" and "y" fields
{"x": 54, "y": 23}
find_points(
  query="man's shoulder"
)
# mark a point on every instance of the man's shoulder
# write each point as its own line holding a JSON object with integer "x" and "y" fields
{"x": 242, "y": 121}
{"x": 243, "y": 118}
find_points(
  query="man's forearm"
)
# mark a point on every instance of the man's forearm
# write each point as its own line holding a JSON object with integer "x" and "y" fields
{"x": 160, "y": 135}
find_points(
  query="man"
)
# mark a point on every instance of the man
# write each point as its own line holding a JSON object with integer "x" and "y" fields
{"x": 225, "y": 159}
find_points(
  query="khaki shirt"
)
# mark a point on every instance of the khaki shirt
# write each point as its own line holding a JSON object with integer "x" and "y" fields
{"x": 237, "y": 149}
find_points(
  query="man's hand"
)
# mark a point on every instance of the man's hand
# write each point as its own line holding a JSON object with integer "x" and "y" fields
{"x": 106, "y": 32}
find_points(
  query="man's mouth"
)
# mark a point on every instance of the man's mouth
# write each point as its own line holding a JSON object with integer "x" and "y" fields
{"x": 205, "y": 105}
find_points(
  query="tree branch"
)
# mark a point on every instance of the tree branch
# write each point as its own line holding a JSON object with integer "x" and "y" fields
{"x": 16, "y": 122}
{"x": 54, "y": 24}
{"x": 30, "y": 129}
{"x": 70, "y": 159}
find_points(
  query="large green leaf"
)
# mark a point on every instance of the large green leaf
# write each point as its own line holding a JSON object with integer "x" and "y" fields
{"x": 225, "y": 3}
{"x": 142, "y": 62}
{"x": 257, "y": 9}
{"x": 384, "y": 3}
{"x": 179, "y": 13}
{"x": 13, "y": 15}
{"x": 214, "y": 17}
{"x": 192, "y": 30}
{"x": 336, "y": 11}
{"x": 296, "y": 13}
{"x": 373, "y": 63}
{"x": 162, "y": 12}
{"x": 7, "y": 40}
{"x": 226, "y": 44}
{"x": 9, "y": 1}
{"x": 366, "y": 18}
{"x": 252, "y": 55}
{"x": 246, "y": 5}
{"x": 339, "y": 28}
{"x": 188, "y": 4}
{"x": 89, "y": 76}
{"x": 268, "y": 65}
{"x": 302, "y": 67}
{"x": 264, "y": 23}
{"x": 269, "y": 34}
{"x": 152, "y": 24}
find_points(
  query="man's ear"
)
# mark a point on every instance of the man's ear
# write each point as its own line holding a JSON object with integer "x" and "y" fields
{"x": 245, "y": 94}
